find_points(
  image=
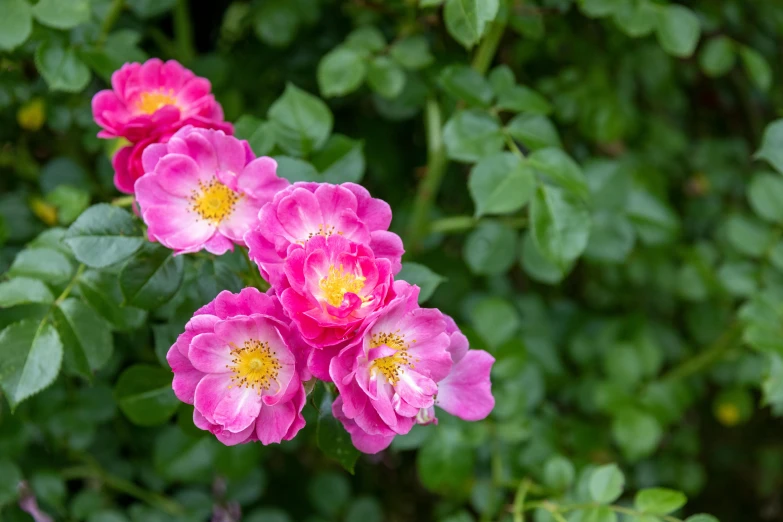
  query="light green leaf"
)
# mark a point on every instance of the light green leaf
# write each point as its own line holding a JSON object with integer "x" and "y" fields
{"x": 718, "y": 56}
{"x": 412, "y": 52}
{"x": 421, "y": 276}
{"x": 560, "y": 225}
{"x": 151, "y": 277}
{"x": 772, "y": 145}
{"x": 612, "y": 238}
{"x": 466, "y": 20}
{"x": 490, "y": 248}
{"x": 659, "y": 501}
{"x": 385, "y": 77}
{"x": 366, "y": 40}
{"x": 302, "y": 122}
{"x": 500, "y": 184}
{"x": 341, "y": 160}
{"x": 62, "y": 14}
{"x": 559, "y": 473}
{"x": 276, "y": 22}
{"x": 701, "y": 518}
{"x": 70, "y": 202}
{"x": 637, "y": 433}
{"x": 533, "y": 131}
{"x": 636, "y": 18}
{"x": 104, "y": 235}
{"x": 562, "y": 169}
{"x": 30, "y": 357}
{"x": 471, "y": 135}
{"x": 150, "y": 8}
{"x": 749, "y": 236}
{"x": 678, "y": 30}
{"x": 46, "y": 264}
{"x": 606, "y": 484}
{"x": 341, "y": 71}
{"x": 85, "y": 336}
{"x": 600, "y": 8}
{"x": 61, "y": 67}
{"x": 539, "y": 267}
{"x": 597, "y": 514}
{"x": 464, "y": 83}
{"x": 16, "y": 24}
{"x": 765, "y": 194}
{"x": 259, "y": 134}
{"x": 757, "y": 67}
{"x": 495, "y": 320}
{"x": 23, "y": 290}
{"x": 144, "y": 395}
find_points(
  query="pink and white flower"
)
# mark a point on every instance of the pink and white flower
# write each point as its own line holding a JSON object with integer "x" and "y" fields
{"x": 237, "y": 364}
{"x": 203, "y": 190}
{"x": 307, "y": 210}
{"x": 151, "y": 99}
{"x": 391, "y": 372}
{"x": 332, "y": 285}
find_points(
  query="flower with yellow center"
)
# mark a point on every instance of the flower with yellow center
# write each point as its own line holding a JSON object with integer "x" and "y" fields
{"x": 337, "y": 283}
{"x": 150, "y": 102}
{"x": 213, "y": 201}
{"x": 392, "y": 366}
{"x": 254, "y": 366}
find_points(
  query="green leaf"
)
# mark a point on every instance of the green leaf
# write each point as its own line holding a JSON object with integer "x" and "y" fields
{"x": 332, "y": 438}
{"x": 600, "y": 8}
{"x": 561, "y": 169}
{"x": 23, "y": 290}
{"x": 466, "y": 20}
{"x": 180, "y": 457}
{"x": 421, "y": 276}
{"x": 757, "y": 67}
{"x": 637, "y": 433}
{"x": 612, "y": 238}
{"x": 560, "y": 225}
{"x": 341, "y": 160}
{"x": 471, "y": 135}
{"x": 294, "y": 169}
{"x": 772, "y": 145}
{"x": 16, "y": 24}
{"x": 465, "y": 83}
{"x": 302, "y": 122}
{"x": 61, "y": 68}
{"x": 636, "y": 19}
{"x": 513, "y": 97}
{"x": 412, "y": 52}
{"x": 341, "y": 71}
{"x": 534, "y": 131}
{"x": 365, "y": 509}
{"x": 500, "y": 184}
{"x": 495, "y": 320}
{"x": 445, "y": 462}
{"x": 259, "y": 134}
{"x": 559, "y": 473}
{"x": 276, "y": 22}
{"x": 29, "y": 359}
{"x": 150, "y": 8}
{"x": 606, "y": 484}
{"x": 655, "y": 222}
{"x": 678, "y": 30}
{"x": 701, "y": 518}
{"x": 718, "y": 56}
{"x": 10, "y": 478}
{"x": 765, "y": 194}
{"x": 144, "y": 395}
{"x": 151, "y": 277}
{"x": 45, "y": 264}
{"x": 60, "y": 14}
{"x": 86, "y": 337}
{"x": 749, "y": 236}
{"x": 659, "y": 501}
{"x": 385, "y": 77}
{"x": 366, "y": 40}
{"x": 597, "y": 514}
{"x": 102, "y": 291}
{"x": 539, "y": 267}
{"x": 120, "y": 47}
{"x": 70, "y": 202}
{"x": 104, "y": 235}
{"x": 490, "y": 248}
{"x": 329, "y": 492}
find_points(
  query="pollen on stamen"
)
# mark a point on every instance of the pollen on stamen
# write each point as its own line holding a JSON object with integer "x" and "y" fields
{"x": 254, "y": 365}
{"x": 337, "y": 283}
{"x": 213, "y": 201}
{"x": 392, "y": 366}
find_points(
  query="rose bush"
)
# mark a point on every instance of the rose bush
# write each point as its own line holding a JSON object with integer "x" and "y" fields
{"x": 448, "y": 260}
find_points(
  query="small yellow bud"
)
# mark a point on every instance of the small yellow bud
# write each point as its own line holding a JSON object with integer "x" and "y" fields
{"x": 728, "y": 414}
{"x": 45, "y": 212}
{"x": 32, "y": 115}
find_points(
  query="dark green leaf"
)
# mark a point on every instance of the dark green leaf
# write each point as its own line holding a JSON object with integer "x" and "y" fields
{"x": 765, "y": 194}
{"x": 466, "y": 20}
{"x": 341, "y": 71}
{"x": 756, "y": 66}
{"x": 445, "y": 462}
{"x": 539, "y": 267}
{"x": 144, "y": 395}
{"x": 23, "y": 290}
{"x": 10, "y": 477}
{"x": 385, "y": 77}
{"x": 366, "y": 39}
{"x": 259, "y": 134}
{"x": 560, "y": 225}
{"x": 471, "y": 135}
{"x": 464, "y": 83}
{"x": 341, "y": 160}
{"x": 182, "y": 458}
{"x": 490, "y": 248}
{"x": 412, "y": 52}
{"x": 60, "y": 14}
{"x": 772, "y": 145}
{"x": 45, "y": 264}
{"x": 151, "y": 277}
{"x": 301, "y": 121}
{"x": 495, "y": 320}
{"x": 421, "y": 276}
{"x": 562, "y": 169}
{"x": 534, "y": 131}
{"x": 276, "y": 22}
{"x": 86, "y": 337}
{"x": 333, "y": 440}
{"x": 678, "y": 30}
{"x": 102, "y": 291}
{"x": 61, "y": 67}
{"x": 718, "y": 56}
{"x": 104, "y": 235}
{"x": 500, "y": 184}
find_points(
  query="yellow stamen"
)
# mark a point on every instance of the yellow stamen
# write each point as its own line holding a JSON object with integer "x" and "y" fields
{"x": 255, "y": 365}
{"x": 392, "y": 366}
{"x": 213, "y": 201}
{"x": 338, "y": 283}
{"x": 150, "y": 102}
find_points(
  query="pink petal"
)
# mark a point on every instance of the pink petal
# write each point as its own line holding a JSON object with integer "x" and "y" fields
{"x": 259, "y": 179}
{"x": 210, "y": 354}
{"x": 186, "y": 377}
{"x": 467, "y": 391}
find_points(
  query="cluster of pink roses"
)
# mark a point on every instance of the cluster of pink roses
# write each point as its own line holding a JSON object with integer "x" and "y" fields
{"x": 334, "y": 311}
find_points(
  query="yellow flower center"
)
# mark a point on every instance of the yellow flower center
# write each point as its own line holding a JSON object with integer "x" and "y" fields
{"x": 150, "y": 102}
{"x": 254, "y": 365}
{"x": 392, "y": 366}
{"x": 213, "y": 201}
{"x": 338, "y": 283}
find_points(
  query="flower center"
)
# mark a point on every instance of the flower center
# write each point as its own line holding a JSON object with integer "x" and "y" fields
{"x": 338, "y": 283}
{"x": 213, "y": 201}
{"x": 150, "y": 102}
{"x": 392, "y": 366}
{"x": 323, "y": 230}
{"x": 254, "y": 365}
